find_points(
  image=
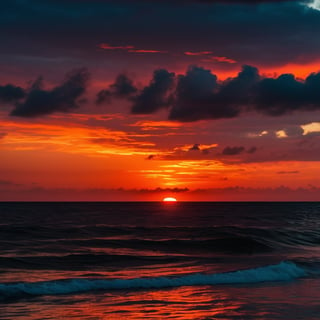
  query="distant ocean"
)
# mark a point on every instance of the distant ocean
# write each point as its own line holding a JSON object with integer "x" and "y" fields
{"x": 149, "y": 260}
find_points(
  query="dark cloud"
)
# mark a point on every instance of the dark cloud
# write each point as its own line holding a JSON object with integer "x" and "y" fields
{"x": 194, "y": 96}
{"x": 62, "y": 98}
{"x": 234, "y": 29}
{"x": 195, "y": 147}
{"x": 156, "y": 94}
{"x": 185, "y": 1}
{"x": 123, "y": 87}
{"x": 7, "y": 183}
{"x": 161, "y": 190}
{"x": 280, "y": 193}
{"x": 206, "y": 151}
{"x": 233, "y": 193}
{"x": 238, "y": 1}
{"x": 252, "y": 150}
{"x": 10, "y": 93}
{"x": 238, "y": 91}
{"x": 294, "y": 131}
{"x": 198, "y": 95}
{"x": 278, "y": 96}
{"x": 288, "y": 172}
{"x": 286, "y": 94}
{"x": 243, "y": 1}
{"x": 232, "y": 151}
{"x": 104, "y": 96}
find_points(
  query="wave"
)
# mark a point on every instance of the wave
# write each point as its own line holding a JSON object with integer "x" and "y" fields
{"x": 83, "y": 261}
{"x": 227, "y": 244}
{"x": 218, "y": 239}
{"x": 284, "y": 271}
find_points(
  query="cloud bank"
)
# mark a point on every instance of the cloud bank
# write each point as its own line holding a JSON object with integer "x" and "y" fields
{"x": 196, "y": 95}
{"x": 199, "y": 95}
{"x": 62, "y": 98}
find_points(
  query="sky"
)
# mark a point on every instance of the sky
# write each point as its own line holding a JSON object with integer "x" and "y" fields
{"x": 118, "y": 100}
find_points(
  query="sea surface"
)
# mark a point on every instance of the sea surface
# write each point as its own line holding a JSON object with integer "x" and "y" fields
{"x": 154, "y": 260}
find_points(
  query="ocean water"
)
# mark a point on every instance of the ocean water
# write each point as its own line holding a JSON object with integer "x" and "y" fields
{"x": 149, "y": 260}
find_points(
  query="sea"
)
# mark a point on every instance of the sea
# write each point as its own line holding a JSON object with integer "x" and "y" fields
{"x": 157, "y": 260}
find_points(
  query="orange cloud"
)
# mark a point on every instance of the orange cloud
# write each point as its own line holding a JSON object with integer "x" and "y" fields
{"x": 72, "y": 138}
{"x": 146, "y": 51}
{"x": 219, "y": 59}
{"x": 156, "y": 125}
{"x": 107, "y": 46}
{"x": 129, "y": 48}
{"x": 200, "y": 147}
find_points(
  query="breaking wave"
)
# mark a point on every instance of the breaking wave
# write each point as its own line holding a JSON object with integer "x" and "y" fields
{"x": 284, "y": 271}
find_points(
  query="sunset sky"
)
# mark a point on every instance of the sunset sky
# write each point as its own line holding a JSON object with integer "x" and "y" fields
{"x": 137, "y": 100}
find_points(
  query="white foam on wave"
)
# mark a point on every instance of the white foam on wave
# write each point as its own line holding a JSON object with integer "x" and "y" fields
{"x": 283, "y": 271}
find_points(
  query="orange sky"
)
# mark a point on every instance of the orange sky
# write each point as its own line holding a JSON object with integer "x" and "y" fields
{"x": 129, "y": 102}
{"x": 64, "y": 152}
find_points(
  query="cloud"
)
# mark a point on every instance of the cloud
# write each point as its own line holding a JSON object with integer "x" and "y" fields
{"x": 236, "y": 1}
{"x": 252, "y": 150}
{"x": 10, "y": 93}
{"x": 232, "y": 193}
{"x": 7, "y": 183}
{"x": 155, "y": 95}
{"x": 286, "y": 94}
{"x": 278, "y": 96}
{"x": 107, "y": 46}
{"x": 232, "y": 151}
{"x": 122, "y": 88}
{"x": 207, "y": 55}
{"x": 147, "y": 51}
{"x": 161, "y": 190}
{"x": 62, "y": 98}
{"x": 197, "y": 151}
{"x": 196, "y": 147}
{"x": 219, "y": 59}
{"x": 198, "y": 95}
{"x": 248, "y": 2}
{"x": 192, "y": 1}
{"x": 29, "y": 30}
{"x": 199, "y": 53}
{"x": 130, "y": 49}
{"x": 195, "y": 95}
{"x": 288, "y": 172}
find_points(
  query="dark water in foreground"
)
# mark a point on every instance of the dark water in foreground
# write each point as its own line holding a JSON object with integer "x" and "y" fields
{"x": 160, "y": 261}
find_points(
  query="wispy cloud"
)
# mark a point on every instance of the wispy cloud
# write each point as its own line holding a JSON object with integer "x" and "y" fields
{"x": 209, "y": 57}
{"x": 129, "y": 48}
{"x": 199, "y": 53}
{"x": 219, "y": 59}
{"x": 73, "y": 138}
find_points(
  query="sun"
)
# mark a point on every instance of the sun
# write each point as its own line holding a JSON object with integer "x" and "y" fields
{"x": 169, "y": 199}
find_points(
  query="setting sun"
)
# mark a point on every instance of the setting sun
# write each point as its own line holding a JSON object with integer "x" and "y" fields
{"x": 169, "y": 199}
